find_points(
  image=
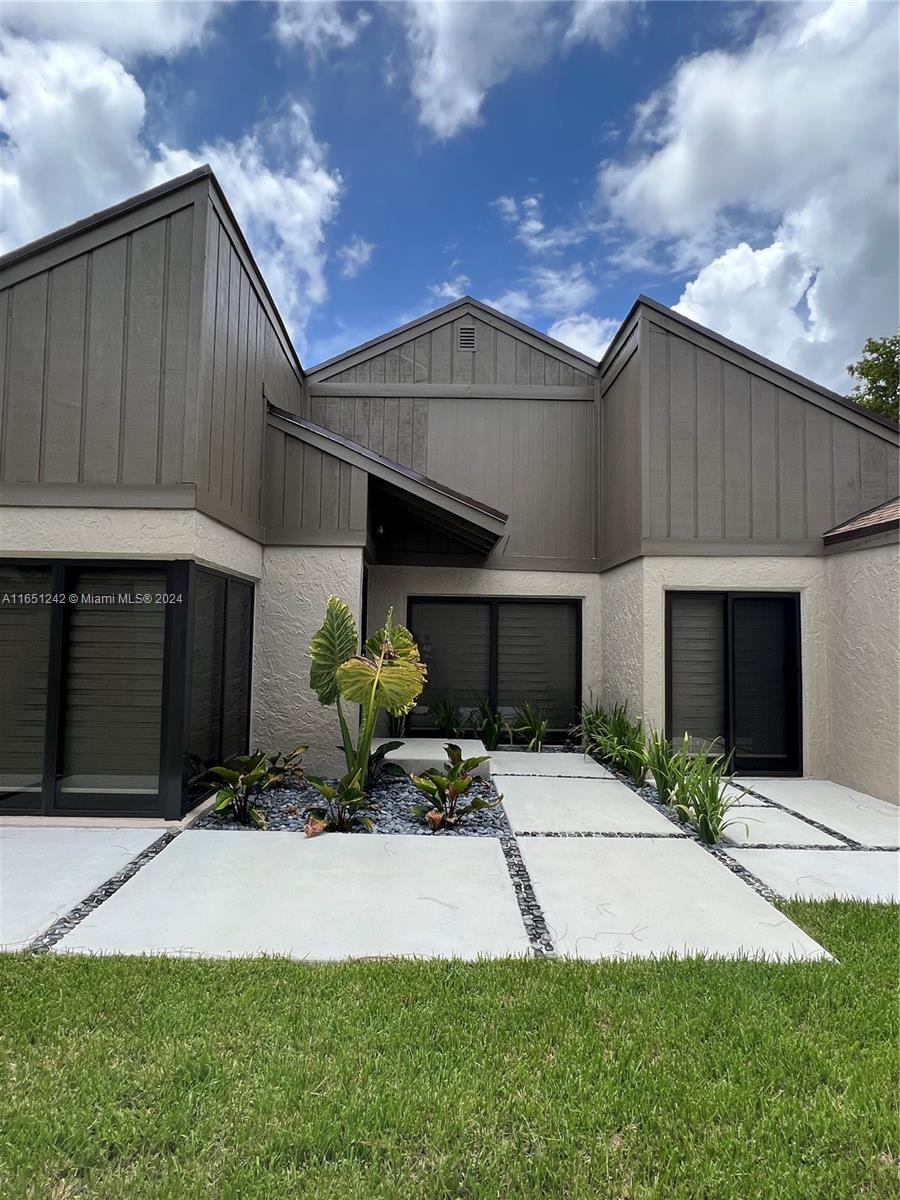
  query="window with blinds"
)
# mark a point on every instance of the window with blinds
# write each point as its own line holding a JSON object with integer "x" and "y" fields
{"x": 24, "y": 661}
{"x": 697, "y": 667}
{"x": 113, "y": 680}
{"x": 507, "y": 651}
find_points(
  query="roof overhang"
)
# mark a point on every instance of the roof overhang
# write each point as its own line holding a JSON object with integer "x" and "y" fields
{"x": 468, "y": 522}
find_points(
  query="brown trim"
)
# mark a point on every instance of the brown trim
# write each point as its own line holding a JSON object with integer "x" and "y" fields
{"x": 861, "y": 531}
{"x": 850, "y": 525}
{"x": 454, "y": 391}
{"x": 868, "y": 539}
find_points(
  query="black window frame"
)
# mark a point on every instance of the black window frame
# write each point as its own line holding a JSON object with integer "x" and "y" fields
{"x": 168, "y": 801}
{"x": 729, "y": 598}
{"x": 494, "y": 603}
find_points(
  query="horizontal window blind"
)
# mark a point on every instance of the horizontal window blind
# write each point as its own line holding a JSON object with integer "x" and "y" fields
{"x": 537, "y": 648}
{"x": 697, "y": 649}
{"x": 24, "y": 661}
{"x": 455, "y": 644}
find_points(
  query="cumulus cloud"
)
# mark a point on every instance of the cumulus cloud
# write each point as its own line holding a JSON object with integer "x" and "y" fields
{"x": 459, "y": 51}
{"x": 318, "y": 25}
{"x": 527, "y": 219}
{"x": 73, "y": 140}
{"x": 152, "y": 27}
{"x": 450, "y": 289}
{"x": 354, "y": 256}
{"x": 591, "y": 335}
{"x": 770, "y": 172}
{"x": 558, "y": 291}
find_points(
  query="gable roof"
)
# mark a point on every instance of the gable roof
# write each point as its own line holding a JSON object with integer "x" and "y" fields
{"x": 474, "y": 520}
{"x": 693, "y": 329}
{"x": 874, "y": 520}
{"x": 464, "y": 306}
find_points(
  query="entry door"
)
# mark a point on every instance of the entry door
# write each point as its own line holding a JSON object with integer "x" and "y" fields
{"x": 733, "y": 675}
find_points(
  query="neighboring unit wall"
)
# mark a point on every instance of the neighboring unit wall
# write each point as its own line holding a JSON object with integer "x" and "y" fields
{"x": 622, "y": 642}
{"x": 619, "y": 497}
{"x": 290, "y": 606}
{"x": 736, "y": 454}
{"x": 392, "y": 586}
{"x": 864, "y": 668}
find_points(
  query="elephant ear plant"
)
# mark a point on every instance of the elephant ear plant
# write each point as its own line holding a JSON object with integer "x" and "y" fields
{"x": 444, "y": 789}
{"x": 388, "y": 675}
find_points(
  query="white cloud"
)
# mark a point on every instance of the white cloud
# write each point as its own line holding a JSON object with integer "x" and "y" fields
{"x": 354, "y": 256}
{"x": 591, "y": 335}
{"x": 318, "y": 25}
{"x": 72, "y": 121}
{"x": 527, "y": 218}
{"x": 556, "y": 291}
{"x": 771, "y": 172}
{"x": 156, "y": 27}
{"x": 450, "y": 289}
{"x": 459, "y": 50}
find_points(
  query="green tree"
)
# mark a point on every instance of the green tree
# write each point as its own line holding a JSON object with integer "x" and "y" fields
{"x": 877, "y": 375}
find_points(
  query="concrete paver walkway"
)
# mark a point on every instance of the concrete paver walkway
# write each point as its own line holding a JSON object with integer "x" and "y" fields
{"x": 520, "y": 762}
{"x": 337, "y": 896}
{"x": 823, "y": 874}
{"x": 45, "y": 872}
{"x": 539, "y": 804}
{"x": 754, "y": 824}
{"x": 865, "y": 819}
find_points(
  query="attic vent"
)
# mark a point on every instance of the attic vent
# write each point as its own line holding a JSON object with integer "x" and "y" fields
{"x": 465, "y": 337}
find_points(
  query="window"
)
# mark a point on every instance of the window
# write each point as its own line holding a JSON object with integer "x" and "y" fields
{"x": 24, "y": 666}
{"x": 508, "y": 651}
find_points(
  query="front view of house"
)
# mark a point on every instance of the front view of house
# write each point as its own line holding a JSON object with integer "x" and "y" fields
{"x": 684, "y": 527}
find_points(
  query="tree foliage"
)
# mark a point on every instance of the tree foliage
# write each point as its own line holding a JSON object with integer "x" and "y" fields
{"x": 877, "y": 375}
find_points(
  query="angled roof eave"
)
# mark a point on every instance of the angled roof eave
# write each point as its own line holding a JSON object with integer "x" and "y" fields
{"x": 487, "y": 519}
{"x": 438, "y": 316}
{"x": 878, "y": 519}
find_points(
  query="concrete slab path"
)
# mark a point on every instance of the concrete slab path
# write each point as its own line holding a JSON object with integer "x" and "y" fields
{"x": 418, "y": 754}
{"x": 823, "y": 874}
{"x": 45, "y": 872}
{"x": 333, "y": 897}
{"x": 539, "y": 804}
{"x": 645, "y": 898}
{"x": 856, "y": 815}
{"x": 753, "y": 824}
{"x": 520, "y": 762}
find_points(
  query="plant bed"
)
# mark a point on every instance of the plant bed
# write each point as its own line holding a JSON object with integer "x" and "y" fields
{"x": 393, "y": 799}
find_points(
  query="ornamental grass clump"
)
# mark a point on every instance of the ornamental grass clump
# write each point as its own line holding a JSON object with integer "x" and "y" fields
{"x": 668, "y": 766}
{"x": 487, "y": 723}
{"x": 531, "y": 722}
{"x": 621, "y": 742}
{"x": 445, "y": 788}
{"x": 700, "y": 799}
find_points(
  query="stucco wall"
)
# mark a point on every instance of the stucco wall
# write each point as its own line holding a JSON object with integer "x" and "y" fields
{"x": 295, "y": 585}
{"x": 392, "y": 585}
{"x": 622, "y": 643}
{"x": 803, "y": 575}
{"x": 127, "y": 532}
{"x": 864, "y": 669}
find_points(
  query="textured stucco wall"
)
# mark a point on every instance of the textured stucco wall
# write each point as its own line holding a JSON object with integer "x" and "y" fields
{"x": 127, "y": 532}
{"x": 864, "y": 669}
{"x": 392, "y": 585}
{"x": 296, "y": 583}
{"x": 622, "y": 641}
{"x": 803, "y": 575}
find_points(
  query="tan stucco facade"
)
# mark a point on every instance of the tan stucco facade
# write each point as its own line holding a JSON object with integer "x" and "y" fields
{"x": 863, "y": 637}
{"x": 290, "y": 606}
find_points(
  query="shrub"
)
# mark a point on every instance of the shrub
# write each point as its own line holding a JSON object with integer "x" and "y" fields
{"x": 700, "y": 798}
{"x": 386, "y": 675}
{"x": 531, "y": 722}
{"x": 346, "y": 806}
{"x": 487, "y": 723}
{"x": 447, "y": 716}
{"x": 444, "y": 790}
{"x": 240, "y": 787}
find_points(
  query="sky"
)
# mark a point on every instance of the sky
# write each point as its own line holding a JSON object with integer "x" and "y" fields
{"x": 735, "y": 161}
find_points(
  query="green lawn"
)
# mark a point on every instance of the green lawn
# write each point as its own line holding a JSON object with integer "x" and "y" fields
{"x": 502, "y": 1081}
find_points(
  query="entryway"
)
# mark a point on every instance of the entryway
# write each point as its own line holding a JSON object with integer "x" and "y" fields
{"x": 733, "y": 675}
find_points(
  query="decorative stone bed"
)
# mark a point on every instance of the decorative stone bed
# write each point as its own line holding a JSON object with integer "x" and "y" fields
{"x": 394, "y": 800}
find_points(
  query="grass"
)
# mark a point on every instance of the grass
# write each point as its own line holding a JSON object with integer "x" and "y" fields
{"x": 700, "y": 1080}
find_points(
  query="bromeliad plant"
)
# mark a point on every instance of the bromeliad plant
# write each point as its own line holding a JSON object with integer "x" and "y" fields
{"x": 387, "y": 675}
{"x": 444, "y": 790}
{"x": 531, "y": 722}
{"x": 346, "y": 806}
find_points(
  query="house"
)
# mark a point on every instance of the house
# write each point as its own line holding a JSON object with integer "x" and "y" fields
{"x": 685, "y": 526}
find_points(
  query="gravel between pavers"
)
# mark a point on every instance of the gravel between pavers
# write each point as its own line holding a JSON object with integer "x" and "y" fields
{"x": 285, "y": 810}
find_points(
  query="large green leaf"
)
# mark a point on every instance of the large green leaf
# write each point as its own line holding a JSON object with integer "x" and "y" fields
{"x": 334, "y": 643}
{"x": 394, "y": 685}
{"x": 396, "y": 639}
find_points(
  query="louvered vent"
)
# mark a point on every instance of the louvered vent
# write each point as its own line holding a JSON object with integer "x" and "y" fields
{"x": 465, "y": 337}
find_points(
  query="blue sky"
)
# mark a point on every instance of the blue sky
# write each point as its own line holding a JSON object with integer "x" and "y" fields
{"x": 555, "y": 159}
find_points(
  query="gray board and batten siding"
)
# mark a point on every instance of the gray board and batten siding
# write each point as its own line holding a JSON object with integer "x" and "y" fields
{"x": 729, "y": 454}
{"x": 137, "y": 350}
